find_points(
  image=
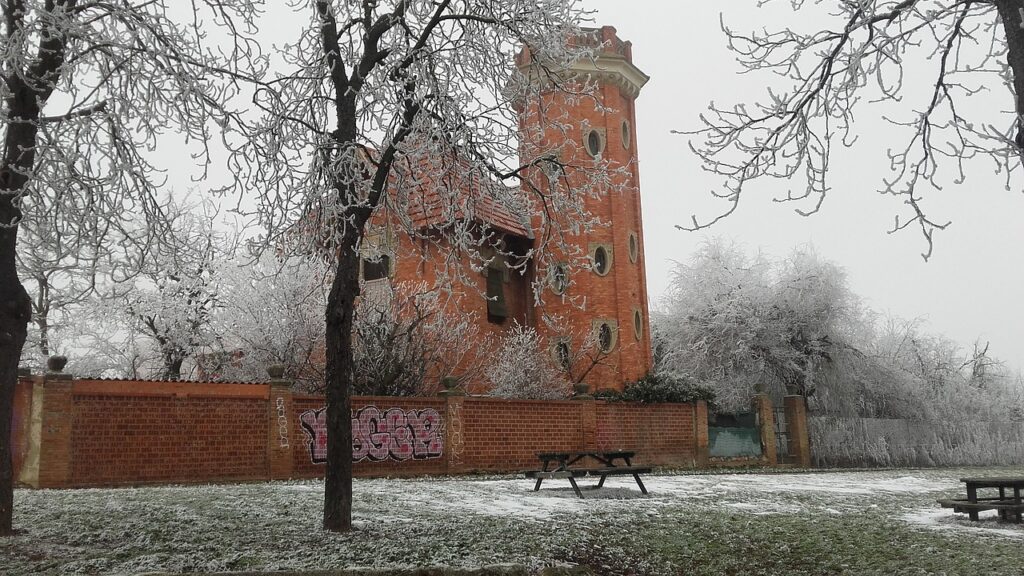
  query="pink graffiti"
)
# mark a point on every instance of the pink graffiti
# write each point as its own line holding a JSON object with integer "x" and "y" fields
{"x": 314, "y": 424}
{"x": 377, "y": 435}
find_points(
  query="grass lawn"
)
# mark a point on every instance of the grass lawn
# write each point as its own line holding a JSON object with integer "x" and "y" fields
{"x": 879, "y": 522}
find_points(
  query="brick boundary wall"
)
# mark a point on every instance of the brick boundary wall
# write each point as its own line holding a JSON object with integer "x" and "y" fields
{"x": 89, "y": 433}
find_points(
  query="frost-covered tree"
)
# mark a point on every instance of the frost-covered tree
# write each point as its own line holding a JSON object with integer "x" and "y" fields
{"x": 271, "y": 312}
{"x": 951, "y": 72}
{"x": 385, "y": 99}
{"x": 85, "y": 87}
{"x": 740, "y": 324}
{"x": 173, "y": 298}
{"x": 61, "y": 271}
{"x": 523, "y": 367}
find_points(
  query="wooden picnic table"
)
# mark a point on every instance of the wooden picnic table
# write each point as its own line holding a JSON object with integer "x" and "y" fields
{"x": 566, "y": 465}
{"x": 1009, "y": 507}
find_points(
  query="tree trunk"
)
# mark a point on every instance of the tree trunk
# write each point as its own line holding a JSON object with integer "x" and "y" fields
{"x": 15, "y": 311}
{"x": 340, "y": 311}
{"x": 15, "y": 303}
{"x": 172, "y": 365}
{"x": 1010, "y": 14}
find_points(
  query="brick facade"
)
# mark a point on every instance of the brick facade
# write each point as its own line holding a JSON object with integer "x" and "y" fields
{"x": 618, "y": 297}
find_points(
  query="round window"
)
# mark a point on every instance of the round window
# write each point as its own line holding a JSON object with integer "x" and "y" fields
{"x": 638, "y": 325}
{"x": 605, "y": 337}
{"x": 562, "y": 355}
{"x": 594, "y": 143}
{"x": 626, "y": 135}
{"x": 634, "y": 247}
{"x": 602, "y": 262}
{"x": 559, "y": 278}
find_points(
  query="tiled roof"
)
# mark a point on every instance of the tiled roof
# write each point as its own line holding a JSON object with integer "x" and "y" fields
{"x": 456, "y": 195}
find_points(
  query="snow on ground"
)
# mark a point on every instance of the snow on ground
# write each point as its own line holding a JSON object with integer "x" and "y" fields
{"x": 460, "y": 521}
{"x": 943, "y": 519}
{"x": 754, "y": 493}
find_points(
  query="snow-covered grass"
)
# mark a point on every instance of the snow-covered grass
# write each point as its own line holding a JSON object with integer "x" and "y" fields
{"x": 878, "y": 522}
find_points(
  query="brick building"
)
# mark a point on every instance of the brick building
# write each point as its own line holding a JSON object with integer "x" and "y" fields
{"x": 601, "y": 305}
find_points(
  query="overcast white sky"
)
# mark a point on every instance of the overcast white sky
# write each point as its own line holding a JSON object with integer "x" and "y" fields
{"x": 970, "y": 288}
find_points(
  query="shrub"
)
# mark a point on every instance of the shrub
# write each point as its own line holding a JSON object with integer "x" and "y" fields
{"x": 523, "y": 369}
{"x": 663, "y": 388}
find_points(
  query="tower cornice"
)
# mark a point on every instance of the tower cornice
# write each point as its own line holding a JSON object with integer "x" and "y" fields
{"x": 603, "y": 68}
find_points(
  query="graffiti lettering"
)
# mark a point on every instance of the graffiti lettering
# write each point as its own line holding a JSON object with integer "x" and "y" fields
{"x": 377, "y": 435}
{"x": 282, "y": 422}
{"x": 456, "y": 443}
{"x": 314, "y": 424}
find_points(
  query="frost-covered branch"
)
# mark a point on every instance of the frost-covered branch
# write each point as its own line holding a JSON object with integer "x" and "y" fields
{"x": 876, "y": 51}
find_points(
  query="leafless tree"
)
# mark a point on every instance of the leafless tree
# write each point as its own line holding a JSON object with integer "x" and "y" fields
{"x": 387, "y": 99}
{"x": 271, "y": 312}
{"x": 874, "y": 50}
{"x": 85, "y": 88}
{"x": 742, "y": 324}
{"x": 176, "y": 292}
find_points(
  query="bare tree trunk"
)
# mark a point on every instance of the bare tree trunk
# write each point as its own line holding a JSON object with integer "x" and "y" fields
{"x": 15, "y": 304}
{"x": 1010, "y": 13}
{"x": 172, "y": 366}
{"x": 340, "y": 311}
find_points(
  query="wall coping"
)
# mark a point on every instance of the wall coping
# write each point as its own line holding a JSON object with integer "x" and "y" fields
{"x": 130, "y": 388}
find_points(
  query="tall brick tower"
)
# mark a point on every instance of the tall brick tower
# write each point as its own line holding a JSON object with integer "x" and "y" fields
{"x": 606, "y": 297}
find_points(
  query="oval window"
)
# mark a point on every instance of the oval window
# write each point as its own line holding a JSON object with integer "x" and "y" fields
{"x": 562, "y": 355}
{"x": 559, "y": 278}
{"x": 638, "y": 325}
{"x": 634, "y": 247}
{"x": 594, "y": 143}
{"x": 626, "y": 135}
{"x": 601, "y": 260}
{"x": 605, "y": 337}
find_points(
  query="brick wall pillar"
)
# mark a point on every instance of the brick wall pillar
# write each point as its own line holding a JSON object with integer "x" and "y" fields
{"x": 766, "y": 417}
{"x": 700, "y": 434}
{"x": 588, "y": 422}
{"x": 796, "y": 423}
{"x": 454, "y": 441}
{"x": 55, "y": 430}
{"x": 279, "y": 431}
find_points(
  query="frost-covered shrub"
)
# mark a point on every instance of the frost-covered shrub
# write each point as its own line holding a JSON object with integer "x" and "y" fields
{"x": 405, "y": 340}
{"x": 661, "y": 388}
{"x": 523, "y": 368}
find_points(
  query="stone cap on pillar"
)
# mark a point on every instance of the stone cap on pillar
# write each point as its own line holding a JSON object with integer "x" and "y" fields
{"x": 277, "y": 379}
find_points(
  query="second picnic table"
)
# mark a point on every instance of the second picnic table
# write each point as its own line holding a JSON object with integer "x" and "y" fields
{"x": 564, "y": 465}
{"x": 1009, "y": 507}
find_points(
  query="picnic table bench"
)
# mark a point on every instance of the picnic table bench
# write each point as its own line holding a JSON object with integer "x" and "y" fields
{"x": 1009, "y": 507}
{"x": 564, "y": 465}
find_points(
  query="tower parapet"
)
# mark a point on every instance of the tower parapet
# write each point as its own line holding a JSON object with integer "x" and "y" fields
{"x": 612, "y": 62}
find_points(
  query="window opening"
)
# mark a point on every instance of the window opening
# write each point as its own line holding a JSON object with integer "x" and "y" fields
{"x": 594, "y": 143}
{"x": 605, "y": 337}
{"x": 376, "y": 268}
{"x": 601, "y": 260}
{"x": 562, "y": 354}
{"x": 497, "y": 311}
{"x": 559, "y": 278}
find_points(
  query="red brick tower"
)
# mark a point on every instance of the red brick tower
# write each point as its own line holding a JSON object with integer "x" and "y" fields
{"x": 606, "y": 298}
